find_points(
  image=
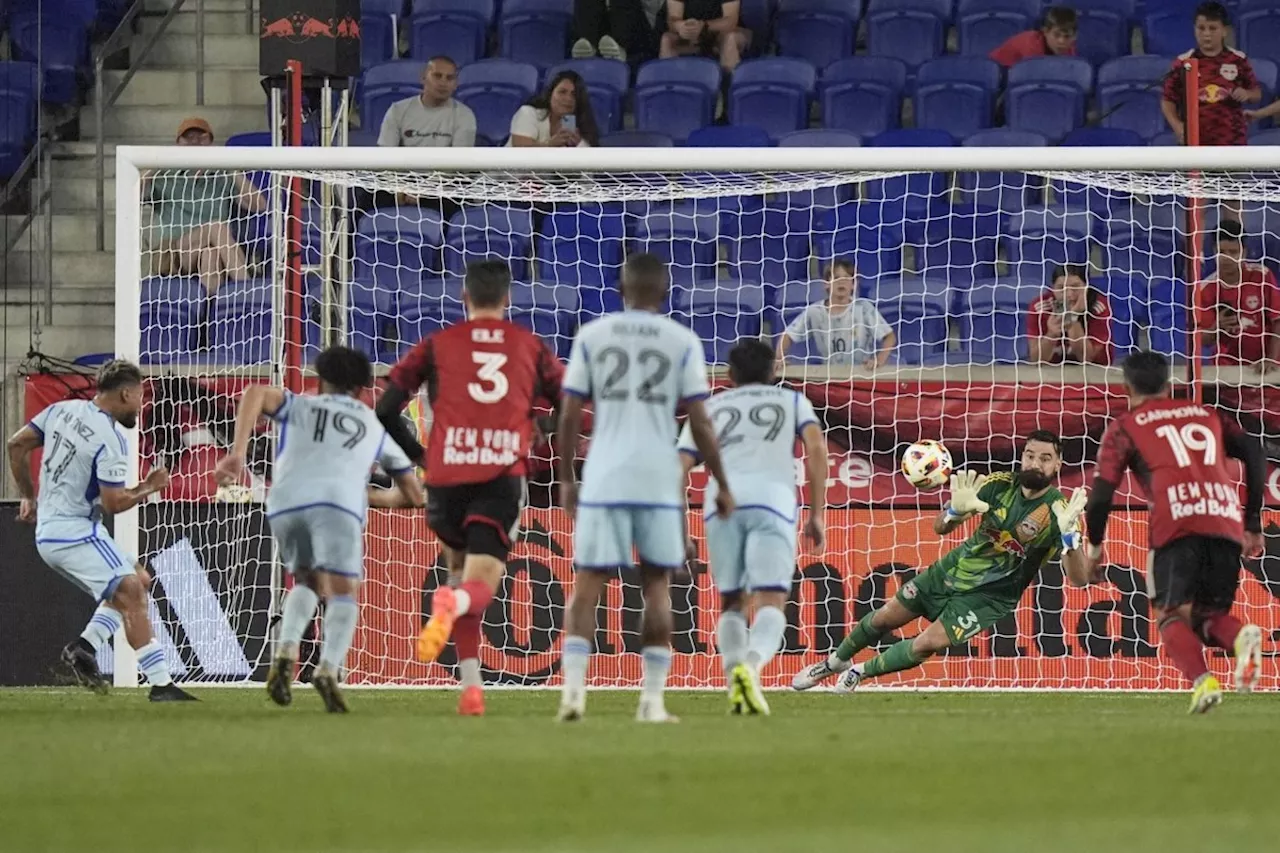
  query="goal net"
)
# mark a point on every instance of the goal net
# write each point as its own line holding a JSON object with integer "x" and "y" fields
{"x": 962, "y": 264}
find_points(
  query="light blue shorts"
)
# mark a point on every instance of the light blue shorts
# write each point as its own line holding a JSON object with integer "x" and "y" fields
{"x": 754, "y": 550}
{"x": 320, "y": 538}
{"x": 88, "y": 557}
{"x": 604, "y": 536}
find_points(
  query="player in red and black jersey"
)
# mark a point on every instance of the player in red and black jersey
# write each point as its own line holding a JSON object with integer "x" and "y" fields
{"x": 1226, "y": 83}
{"x": 484, "y": 377}
{"x": 1199, "y": 531}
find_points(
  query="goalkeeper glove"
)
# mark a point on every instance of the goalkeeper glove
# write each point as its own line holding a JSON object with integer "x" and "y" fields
{"x": 1068, "y": 515}
{"x": 964, "y": 495}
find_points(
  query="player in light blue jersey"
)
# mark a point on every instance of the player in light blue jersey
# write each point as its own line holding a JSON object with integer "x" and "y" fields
{"x": 636, "y": 367}
{"x": 327, "y": 447}
{"x": 82, "y": 475}
{"x": 753, "y": 551}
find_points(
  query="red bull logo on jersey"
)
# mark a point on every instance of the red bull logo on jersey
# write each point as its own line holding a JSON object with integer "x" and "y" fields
{"x": 1005, "y": 542}
{"x": 1204, "y": 499}
{"x": 470, "y": 446}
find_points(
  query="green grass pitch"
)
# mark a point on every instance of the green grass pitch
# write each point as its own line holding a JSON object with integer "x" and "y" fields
{"x": 876, "y": 772}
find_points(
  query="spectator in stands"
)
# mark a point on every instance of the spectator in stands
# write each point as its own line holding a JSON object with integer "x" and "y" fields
{"x": 842, "y": 328}
{"x": 1071, "y": 322}
{"x": 433, "y": 119}
{"x": 1056, "y": 37}
{"x": 1227, "y": 82}
{"x": 616, "y": 29}
{"x": 190, "y": 226}
{"x": 707, "y": 28}
{"x": 558, "y": 117}
{"x": 1238, "y": 311}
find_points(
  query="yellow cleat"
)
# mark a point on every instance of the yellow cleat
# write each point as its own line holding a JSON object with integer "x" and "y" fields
{"x": 1207, "y": 693}
{"x": 746, "y": 682}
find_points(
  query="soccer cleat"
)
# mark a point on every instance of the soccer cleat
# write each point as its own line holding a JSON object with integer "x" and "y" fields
{"x": 84, "y": 667}
{"x": 280, "y": 681}
{"x": 654, "y": 711}
{"x": 435, "y": 634}
{"x": 1207, "y": 693}
{"x": 848, "y": 680}
{"x": 471, "y": 702}
{"x": 573, "y": 707}
{"x": 327, "y": 686}
{"x": 1248, "y": 658}
{"x": 737, "y": 703}
{"x": 747, "y": 682}
{"x": 170, "y": 693}
{"x": 812, "y": 676}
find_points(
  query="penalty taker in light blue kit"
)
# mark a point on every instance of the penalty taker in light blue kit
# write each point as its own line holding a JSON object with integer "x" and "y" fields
{"x": 753, "y": 551}
{"x": 82, "y": 475}
{"x": 320, "y": 494}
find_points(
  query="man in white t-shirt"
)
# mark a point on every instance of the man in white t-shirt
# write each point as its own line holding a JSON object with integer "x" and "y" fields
{"x": 842, "y": 329}
{"x": 433, "y": 119}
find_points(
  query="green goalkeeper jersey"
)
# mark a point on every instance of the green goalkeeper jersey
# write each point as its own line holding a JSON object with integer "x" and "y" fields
{"x": 1015, "y": 538}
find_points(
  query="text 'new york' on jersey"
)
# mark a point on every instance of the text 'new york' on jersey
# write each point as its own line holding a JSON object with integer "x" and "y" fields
{"x": 1178, "y": 452}
{"x": 83, "y": 451}
{"x": 327, "y": 447}
{"x": 636, "y": 368}
{"x": 756, "y": 427}
{"x": 484, "y": 380}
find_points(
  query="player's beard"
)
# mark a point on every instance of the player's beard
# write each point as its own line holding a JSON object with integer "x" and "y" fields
{"x": 129, "y": 421}
{"x": 1029, "y": 478}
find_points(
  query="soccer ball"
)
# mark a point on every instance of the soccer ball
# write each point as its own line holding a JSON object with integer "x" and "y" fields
{"x": 927, "y": 465}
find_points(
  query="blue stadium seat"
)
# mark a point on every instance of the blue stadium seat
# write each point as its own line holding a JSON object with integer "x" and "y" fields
{"x": 377, "y": 40}
{"x": 1265, "y": 137}
{"x": 772, "y": 94}
{"x": 59, "y": 47}
{"x": 912, "y": 195}
{"x": 1258, "y": 33}
{"x": 782, "y": 304}
{"x": 1168, "y": 317}
{"x": 1029, "y": 8}
{"x": 457, "y": 29}
{"x": 249, "y": 139}
{"x": 1168, "y": 32}
{"x": 240, "y": 323}
{"x": 684, "y": 237}
{"x": 439, "y": 305}
{"x": 979, "y": 33}
{"x": 820, "y": 137}
{"x": 19, "y": 106}
{"x": 1042, "y": 236}
{"x": 1102, "y": 34}
{"x": 636, "y": 139}
{"x": 870, "y": 232}
{"x": 1002, "y": 137}
{"x": 581, "y": 246}
{"x": 170, "y": 314}
{"x": 961, "y": 242}
{"x": 1128, "y": 295}
{"x": 549, "y": 311}
{"x": 1047, "y": 94}
{"x": 494, "y": 89}
{"x": 819, "y": 31}
{"x": 1126, "y": 9}
{"x": 478, "y": 232}
{"x": 1083, "y": 137}
{"x": 391, "y": 240}
{"x": 534, "y": 31}
{"x": 720, "y": 315}
{"x": 1007, "y": 192}
{"x": 1129, "y": 94}
{"x": 607, "y": 82}
{"x": 1166, "y": 139}
{"x": 938, "y": 8}
{"x": 863, "y": 94}
{"x": 81, "y": 14}
{"x": 912, "y": 36}
{"x": 728, "y": 136}
{"x": 676, "y": 96}
{"x": 917, "y": 308}
{"x": 770, "y": 243}
{"x": 1144, "y": 238}
{"x": 371, "y": 313}
{"x": 956, "y": 94}
{"x": 757, "y": 16}
{"x": 383, "y": 85}
{"x": 993, "y": 318}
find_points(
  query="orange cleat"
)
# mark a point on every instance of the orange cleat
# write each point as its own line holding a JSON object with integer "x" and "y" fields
{"x": 435, "y": 634}
{"x": 471, "y": 702}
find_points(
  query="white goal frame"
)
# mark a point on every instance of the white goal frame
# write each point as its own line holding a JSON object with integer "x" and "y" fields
{"x": 132, "y": 161}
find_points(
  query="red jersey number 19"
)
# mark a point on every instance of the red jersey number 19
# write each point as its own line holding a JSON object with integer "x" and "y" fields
{"x": 1188, "y": 438}
{"x": 493, "y": 384}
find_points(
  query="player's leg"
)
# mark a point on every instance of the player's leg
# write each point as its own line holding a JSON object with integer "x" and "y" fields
{"x": 293, "y": 540}
{"x": 337, "y": 542}
{"x": 601, "y": 546}
{"x": 770, "y": 559}
{"x": 725, "y": 545}
{"x": 1172, "y": 580}
{"x": 447, "y": 510}
{"x": 130, "y": 598}
{"x": 922, "y": 596}
{"x": 1212, "y": 618}
{"x": 659, "y": 539}
{"x": 88, "y": 569}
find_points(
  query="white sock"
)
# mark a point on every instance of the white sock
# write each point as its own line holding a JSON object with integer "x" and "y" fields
{"x": 299, "y": 609}
{"x": 573, "y": 664}
{"x": 731, "y": 638}
{"x": 151, "y": 662}
{"x": 469, "y": 672}
{"x": 104, "y": 623}
{"x": 341, "y": 613}
{"x": 657, "y": 660}
{"x": 766, "y": 636}
{"x": 464, "y": 601}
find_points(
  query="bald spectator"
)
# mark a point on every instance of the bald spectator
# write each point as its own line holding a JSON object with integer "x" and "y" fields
{"x": 1056, "y": 37}
{"x": 433, "y": 119}
{"x": 1070, "y": 323}
{"x": 705, "y": 28}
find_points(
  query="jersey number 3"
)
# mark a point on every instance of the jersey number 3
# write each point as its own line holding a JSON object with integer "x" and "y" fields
{"x": 493, "y": 384}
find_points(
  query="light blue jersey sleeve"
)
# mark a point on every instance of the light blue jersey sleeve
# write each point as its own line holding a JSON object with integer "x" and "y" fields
{"x": 686, "y": 445}
{"x": 693, "y": 373}
{"x": 40, "y": 423}
{"x": 392, "y": 459}
{"x": 110, "y": 466}
{"x": 577, "y": 376}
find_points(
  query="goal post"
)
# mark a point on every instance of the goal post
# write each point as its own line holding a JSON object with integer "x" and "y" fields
{"x": 954, "y": 247}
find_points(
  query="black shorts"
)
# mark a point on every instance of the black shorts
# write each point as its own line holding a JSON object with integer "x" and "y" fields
{"x": 478, "y": 518}
{"x": 1203, "y": 571}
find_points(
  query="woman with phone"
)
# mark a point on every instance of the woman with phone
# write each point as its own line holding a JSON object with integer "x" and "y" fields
{"x": 560, "y": 116}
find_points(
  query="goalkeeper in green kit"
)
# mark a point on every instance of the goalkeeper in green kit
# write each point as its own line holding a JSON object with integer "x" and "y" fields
{"x": 1026, "y": 522}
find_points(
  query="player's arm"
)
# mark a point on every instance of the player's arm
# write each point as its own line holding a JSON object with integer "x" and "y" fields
{"x": 406, "y": 491}
{"x": 728, "y": 20}
{"x": 815, "y": 468}
{"x": 1240, "y": 445}
{"x": 20, "y": 446}
{"x": 1096, "y": 515}
{"x": 1268, "y": 111}
{"x": 116, "y": 499}
{"x": 704, "y": 438}
{"x": 966, "y": 500}
{"x": 256, "y": 401}
{"x": 568, "y": 429}
{"x": 403, "y": 382}
{"x": 1169, "y": 110}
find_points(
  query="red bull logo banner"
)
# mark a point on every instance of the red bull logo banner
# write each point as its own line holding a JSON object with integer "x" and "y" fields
{"x": 324, "y": 35}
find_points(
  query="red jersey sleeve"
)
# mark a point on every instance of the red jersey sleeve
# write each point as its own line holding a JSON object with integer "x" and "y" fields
{"x": 415, "y": 367}
{"x": 1099, "y": 331}
{"x": 1245, "y": 78}
{"x": 1115, "y": 453}
{"x": 1174, "y": 85}
{"x": 550, "y": 374}
{"x": 1207, "y": 299}
{"x": 1038, "y": 313}
{"x": 1019, "y": 47}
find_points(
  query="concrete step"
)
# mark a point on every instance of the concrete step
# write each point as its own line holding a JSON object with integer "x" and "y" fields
{"x": 178, "y": 50}
{"x": 215, "y": 23}
{"x": 80, "y": 194}
{"x": 73, "y": 271}
{"x": 165, "y": 87}
{"x": 64, "y": 314}
{"x": 162, "y": 6}
{"x": 157, "y": 125}
{"x": 76, "y": 160}
{"x": 60, "y": 341}
{"x": 71, "y": 232}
